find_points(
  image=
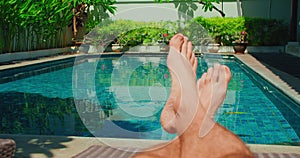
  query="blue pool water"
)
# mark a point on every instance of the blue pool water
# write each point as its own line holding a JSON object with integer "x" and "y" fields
{"x": 123, "y": 96}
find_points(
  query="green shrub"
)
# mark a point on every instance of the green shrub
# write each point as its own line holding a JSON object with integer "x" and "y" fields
{"x": 130, "y": 33}
{"x": 107, "y": 31}
{"x": 196, "y": 33}
{"x": 199, "y": 30}
{"x": 260, "y": 31}
{"x": 222, "y": 30}
{"x": 145, "y": 35}
{"x": 266, "y": 31}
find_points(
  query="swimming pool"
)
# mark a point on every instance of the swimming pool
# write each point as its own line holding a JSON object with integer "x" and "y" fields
{"x": 122, "y": 97}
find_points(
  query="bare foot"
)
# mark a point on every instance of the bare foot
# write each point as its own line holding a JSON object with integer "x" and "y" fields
{"x": 188, "y": 109}
{"x": 192, "y": 114}
{"x": 213, "y": 86}
{"x": 180, "y": 48}
{"x": 214, "y": 141}
{"x": 180, "y": 45}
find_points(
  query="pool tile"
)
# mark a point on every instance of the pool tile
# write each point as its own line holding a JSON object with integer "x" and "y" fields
{"x": 261, "y": 122}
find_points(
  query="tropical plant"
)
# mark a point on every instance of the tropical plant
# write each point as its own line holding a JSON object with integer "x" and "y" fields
{"x": 30, "y": 25}
{"x": 188, "y": 7}
{"x": 241, "y": 37}
{"x": 90, "y": 13}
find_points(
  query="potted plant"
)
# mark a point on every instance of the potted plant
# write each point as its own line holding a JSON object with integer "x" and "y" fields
{"x": 213, "y": 47}
{"x": 164, "y": 42}
{"x": 116, "y": 47}
{"x": 240, "y": 43}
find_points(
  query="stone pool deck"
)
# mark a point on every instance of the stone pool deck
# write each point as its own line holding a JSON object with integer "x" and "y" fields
{"x": 61, "y": 147}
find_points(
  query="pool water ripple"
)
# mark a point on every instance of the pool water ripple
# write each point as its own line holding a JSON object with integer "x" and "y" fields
{"x": 132, "y": 100}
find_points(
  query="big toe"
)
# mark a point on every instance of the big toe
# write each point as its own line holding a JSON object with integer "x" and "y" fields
{"x": 227, "y": 73}
{"x": 176, "y": 42}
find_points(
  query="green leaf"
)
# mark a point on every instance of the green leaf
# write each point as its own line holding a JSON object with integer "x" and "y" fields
{"x": 12, "y": 2}
{"x": 112, "y": 9}
{"x": 25, "y": 6}
{"x": 176, "y": 4}
{"x": 194, "y": 6}
{"x": 190, "y": 13}
{"x": 75, "y": 3}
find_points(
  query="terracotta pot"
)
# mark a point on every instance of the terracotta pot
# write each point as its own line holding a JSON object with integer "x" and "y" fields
{"x": 239, "y": 48}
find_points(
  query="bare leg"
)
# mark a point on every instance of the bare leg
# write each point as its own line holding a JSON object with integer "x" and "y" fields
{"x": 213, "y": 86}
{"x": 188, "y": 118}
{"x": 170, "y": 109}
{"x": 193, "y": 111}
{"x": 169, "y": 113}
{"x": 214, "y": 140}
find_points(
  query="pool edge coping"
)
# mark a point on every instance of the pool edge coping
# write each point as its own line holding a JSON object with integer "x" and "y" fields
{"x": 268, "y": 75}
{"x": 72, "y": 145}
{"x": 21, "y": 63}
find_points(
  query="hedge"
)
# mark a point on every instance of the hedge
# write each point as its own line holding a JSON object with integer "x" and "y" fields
{"x": 260, "y": 31}
{"x": 200, "y": 30}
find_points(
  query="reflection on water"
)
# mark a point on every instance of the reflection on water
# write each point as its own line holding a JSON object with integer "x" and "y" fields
{"x": 30, "y": 113}
{"x": 123, "y": 97}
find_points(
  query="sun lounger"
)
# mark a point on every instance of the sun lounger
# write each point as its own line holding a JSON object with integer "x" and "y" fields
{"x": 97, "y": 151}
{"x": 7, "y": 148}
{"x": 276, "y": 155}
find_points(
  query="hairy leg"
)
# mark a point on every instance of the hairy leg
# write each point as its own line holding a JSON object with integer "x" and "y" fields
{"x": 213, "y": 139}
{"x": 164, "y": 150}
{"x": 196, "y": 109}
{"x": 189, "y": 111}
